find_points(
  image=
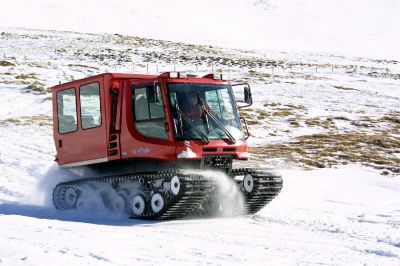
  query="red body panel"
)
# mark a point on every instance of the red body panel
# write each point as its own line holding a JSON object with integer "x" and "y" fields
{"x": 123, "y": 141}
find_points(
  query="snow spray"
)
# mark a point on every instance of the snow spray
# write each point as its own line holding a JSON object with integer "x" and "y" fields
{"x": 228, "y": 199}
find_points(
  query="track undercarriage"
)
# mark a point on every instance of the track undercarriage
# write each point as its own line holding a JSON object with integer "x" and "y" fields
{"x": 170, "y": 194}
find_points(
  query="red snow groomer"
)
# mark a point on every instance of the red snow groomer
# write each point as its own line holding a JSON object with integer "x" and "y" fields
{"x": 131, "y": 137}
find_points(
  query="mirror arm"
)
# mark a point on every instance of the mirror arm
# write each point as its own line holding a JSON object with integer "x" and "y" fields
{"x": 244, "y": 122}
{"x": 241, "y": 84}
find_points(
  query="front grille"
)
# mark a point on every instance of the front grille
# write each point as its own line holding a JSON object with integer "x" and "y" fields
{"x": 217, "y": 162}
{"x": 209, "y": 149}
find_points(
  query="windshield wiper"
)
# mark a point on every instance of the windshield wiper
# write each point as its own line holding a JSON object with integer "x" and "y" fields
{"x": 181, "y": 118}
{"x": 179, "y": 114}
{"x": 205, "y": 113}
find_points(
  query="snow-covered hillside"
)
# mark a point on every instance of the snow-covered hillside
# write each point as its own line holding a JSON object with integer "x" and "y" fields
{"x": 312, "y": 110}
{"x": 368, "y": 27}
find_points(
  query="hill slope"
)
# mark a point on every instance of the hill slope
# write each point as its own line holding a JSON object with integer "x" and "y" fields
{"x": 368, "y": 28}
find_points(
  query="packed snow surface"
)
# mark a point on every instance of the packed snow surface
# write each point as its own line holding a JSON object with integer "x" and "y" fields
{"x": 346, "y": 216}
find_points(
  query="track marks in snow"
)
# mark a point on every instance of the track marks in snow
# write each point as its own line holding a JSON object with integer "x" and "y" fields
{"x": 98, "y": 257}
{"x": 391, "y": 240}
{"x": 358, "y": 236}
{"x": 380, "y": 252}
{"x": 360, "y": 223}
{"x": 11, "y": 193}
{"x": 386, "y": 219}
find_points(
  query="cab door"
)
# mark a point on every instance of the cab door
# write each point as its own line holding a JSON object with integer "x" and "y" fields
{"x": 81, "y": 124}
{"x": 146, "y": 133}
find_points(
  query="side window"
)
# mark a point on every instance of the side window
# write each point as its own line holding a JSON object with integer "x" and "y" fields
{"x": 141, "y": 105}
{"x": 149, "y": 112}
{"x": 89, "y": 97}
{"x": 66, "y": 111}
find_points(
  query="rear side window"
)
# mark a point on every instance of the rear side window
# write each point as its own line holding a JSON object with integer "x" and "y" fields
{"x": 66, "y": 111}
{"x": 90, "y": 105}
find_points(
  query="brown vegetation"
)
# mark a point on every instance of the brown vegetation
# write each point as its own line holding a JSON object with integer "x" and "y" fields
{"x": 40, "y": 120}
{"x": 37, "y": 88}
{"x": 7, "y": 64}
{"x": 326, "y": 150}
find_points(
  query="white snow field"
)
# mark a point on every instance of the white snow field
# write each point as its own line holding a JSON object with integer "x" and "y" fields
{"x": 326, "y": 116}
{"x": 367, "y": 27}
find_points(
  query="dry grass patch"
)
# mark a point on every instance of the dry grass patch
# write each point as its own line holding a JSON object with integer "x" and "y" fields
{"x": 273, "y": 104}
{"x": 250, "y": 116}
{"x": 7, "y": 64}
{"x": 37, "y": 88}
{"x": 283, "y": 113}
{"x": 393, "y": 117}
{"x": 246, "y": 113}
{"x": 262, "y": 114}
{"x": 83, "y": 66}
{"x": 39, "y": 64}
{"x": 341, "y": 118}
{"x": 313, "y": 77}
{"x": 251, "y": 121}
{"x": 312, "y": 122}
{"x": 326, "y": 150}
{"x": 26, "y": 76}
{"x": 40, "y": 120}
{"x": 345, "y": 88}
{"x": 294, "y": 122}
{"x": 296, "y": 107}
{"x": 327, "y": 123}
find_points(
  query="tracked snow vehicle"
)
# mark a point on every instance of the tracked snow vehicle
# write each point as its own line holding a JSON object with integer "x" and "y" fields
{"x": 130, "y": 139}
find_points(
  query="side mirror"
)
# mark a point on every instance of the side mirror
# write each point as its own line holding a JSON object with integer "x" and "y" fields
{"x": 248, "y": 100}
{"x": 247, "y": 95}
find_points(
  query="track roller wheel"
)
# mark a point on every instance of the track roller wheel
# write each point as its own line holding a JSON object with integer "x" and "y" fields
{"x": 138, "y": 205}
{"x": 248, "y": 183}
{"x": 157, "y": 202}
{"x": 69, "y": 197}
{"x": 175, "y": 185}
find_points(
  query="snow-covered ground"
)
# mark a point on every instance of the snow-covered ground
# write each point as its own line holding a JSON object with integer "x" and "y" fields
{"x": 367, "y": 27}
{"x": 326, "y": 118}
{"x": 346, "y": 216}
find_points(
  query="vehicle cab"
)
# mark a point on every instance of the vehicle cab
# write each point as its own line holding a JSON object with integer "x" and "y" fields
{"x": 167, "y": 117}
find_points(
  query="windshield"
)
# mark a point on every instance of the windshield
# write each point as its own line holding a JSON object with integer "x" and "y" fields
{"x": 204, "y": 111}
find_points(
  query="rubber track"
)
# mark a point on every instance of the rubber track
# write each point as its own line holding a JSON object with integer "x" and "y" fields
{"x": 194, "y": 189}
{"x": 267, "y": 186}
